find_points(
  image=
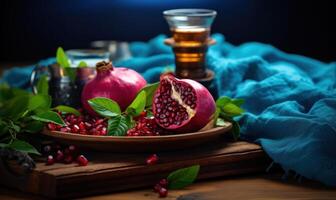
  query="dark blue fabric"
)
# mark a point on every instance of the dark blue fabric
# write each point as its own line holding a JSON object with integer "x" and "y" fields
{"x": 290, "y": 99}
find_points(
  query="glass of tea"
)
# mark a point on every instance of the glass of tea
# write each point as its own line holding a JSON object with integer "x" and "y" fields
{"x": 190, "y": 30}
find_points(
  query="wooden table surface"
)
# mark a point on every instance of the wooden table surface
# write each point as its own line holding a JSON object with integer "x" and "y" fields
{"x": 255, "y": 187}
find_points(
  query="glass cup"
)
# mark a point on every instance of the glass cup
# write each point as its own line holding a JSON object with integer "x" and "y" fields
{"x": 190, "y": 30}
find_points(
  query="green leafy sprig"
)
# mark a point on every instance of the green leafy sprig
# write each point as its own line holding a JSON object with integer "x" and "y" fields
{"x": 119, "y": 122}
{"x": 63, "y": 61}
{"x": 226, "y": 110}
{"x": 22, "y": 113}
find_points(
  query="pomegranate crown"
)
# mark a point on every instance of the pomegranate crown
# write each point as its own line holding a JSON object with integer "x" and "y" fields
{"x": 104, "y": 66}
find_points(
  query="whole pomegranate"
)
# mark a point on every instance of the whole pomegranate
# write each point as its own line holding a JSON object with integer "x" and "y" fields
{"x": 182, "y": 105}
{"x": 116, "y": 83}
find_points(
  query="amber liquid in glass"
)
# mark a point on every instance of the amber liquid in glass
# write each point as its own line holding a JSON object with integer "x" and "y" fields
{"x": 190, "y": 50}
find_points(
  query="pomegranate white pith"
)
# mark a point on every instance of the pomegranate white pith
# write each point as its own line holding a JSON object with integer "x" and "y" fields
{"x": 182, "y": 105}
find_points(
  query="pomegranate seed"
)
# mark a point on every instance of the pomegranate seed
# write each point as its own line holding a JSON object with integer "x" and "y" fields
{"x": 75, "y": 128}
{"x": 152, "y": 159}
{"x": 163, "y": 183}
{"x": 163, "y": 192}
{"x": 64, "y": 129}
{"x": 99, "y": 121}
{"x": 52, "y": 126}
{"x": 50, "y": 160}
{"x": 82, "y": 161}
{"x": 59, "y": 156}
{"x": 82, "y": 126}
{"x": 68, "y": 159}
{"x": 157, "y": 187}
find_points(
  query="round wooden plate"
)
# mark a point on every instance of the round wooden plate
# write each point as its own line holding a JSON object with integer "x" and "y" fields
{"x": 139, "y": 143}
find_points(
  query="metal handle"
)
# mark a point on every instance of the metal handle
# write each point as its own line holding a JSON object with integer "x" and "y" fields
{"x": 34, "y": 76}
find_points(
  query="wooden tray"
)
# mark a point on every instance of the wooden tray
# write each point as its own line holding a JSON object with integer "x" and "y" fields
{"x": 110, "y": 172}
{"x": 140, "y": 143}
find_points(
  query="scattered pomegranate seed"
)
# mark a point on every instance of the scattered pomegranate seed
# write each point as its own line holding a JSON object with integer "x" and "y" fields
{"x": 82, "y": 161}
{"x": 52, "y": 126}
{"x": 163, "y": 192}
{"x": 163, "y": 183}
{"x": 152, "y": 159}
{"x": 59, "y": 156}
{"x": 157, "y": 187}
{"x": 50, "y": 160}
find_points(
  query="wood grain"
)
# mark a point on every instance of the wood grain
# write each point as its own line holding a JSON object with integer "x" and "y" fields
{"x": 110, "y": 172}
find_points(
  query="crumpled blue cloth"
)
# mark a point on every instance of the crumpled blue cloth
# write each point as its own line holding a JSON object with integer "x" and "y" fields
{"x": 290, "y": 99}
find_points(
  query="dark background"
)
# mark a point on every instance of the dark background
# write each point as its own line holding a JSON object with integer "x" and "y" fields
{"x": 32, "y": 30}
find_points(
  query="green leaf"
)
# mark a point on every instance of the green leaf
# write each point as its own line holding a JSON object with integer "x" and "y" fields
{"x": 67, "y": 109}
{"x": 62, "y": 58}
{"x": 49, "y": 116}
{"x": 150, "y": 90}
{"x": 34, "y": 127}
{"x": 23, "y": 146}
{"x": 238, "y": 102}
{"x": 183, "y": 177}
{"x": 105, "y": 107}
{"x": 42, "y": 85}
{"x": 82, "y": 64}
{"x": 15, "y": 107}
{"x": 138, "y": 104}
{"x": 220, "y": 122}
{"x": 232, "y": 110}
{"x": 222, "y": 101}
{"x": 117, "y": 126}
{"x": 41, "y": 101}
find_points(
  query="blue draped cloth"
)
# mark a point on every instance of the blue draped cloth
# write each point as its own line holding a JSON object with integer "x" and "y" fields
{"x": 290, "y": 99}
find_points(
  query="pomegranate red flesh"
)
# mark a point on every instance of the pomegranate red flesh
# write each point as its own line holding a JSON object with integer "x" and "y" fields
{"x": 182, "y": 105}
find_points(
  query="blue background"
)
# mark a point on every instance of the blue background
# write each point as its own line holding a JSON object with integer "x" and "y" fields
{"x": 32, "y": 30}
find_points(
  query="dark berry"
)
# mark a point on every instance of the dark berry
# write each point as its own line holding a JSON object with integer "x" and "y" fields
{"x": 163, "y": 192}
{"x": 82, "y": 161}
{"x": 163, "y": 183}
{"x": 59, "y": 156}
{"x": 50, "y": 160}
{"x": 152, "y": 159}
{"x": 157, "y": 187}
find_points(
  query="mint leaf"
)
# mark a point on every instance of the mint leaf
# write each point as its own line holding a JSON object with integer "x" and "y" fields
{"x": 49, "y": 116}
{"x": 150, "y": 90}
{"x": 42, "y": 85}
{"x": 238, "y": 102}
{"x": 105, "y": 107}
{"x": 33, "y": 127}
{"x": 117, "y": 126}
{"x": 67, "y": 109}
{"x": 15, "y": 107}
{"x": 232, "y": 109}
{"x": 41, "y": 101}
{"x": 62, "y": 58}
{"x": 220, "y": 122}
{"x": 23, "y": 146}
{"x": 183, "y": 177}
{"x": 138, "y": 104}
{"x": 222, "y": 101}
{"x": 82, "y": 64}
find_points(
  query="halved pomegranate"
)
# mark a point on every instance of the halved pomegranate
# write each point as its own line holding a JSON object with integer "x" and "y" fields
{"x": 182, "y": 105}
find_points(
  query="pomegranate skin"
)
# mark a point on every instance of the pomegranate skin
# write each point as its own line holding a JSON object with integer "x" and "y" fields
{"x": 199, "y": 113}
{"x": 117, "y": 83}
